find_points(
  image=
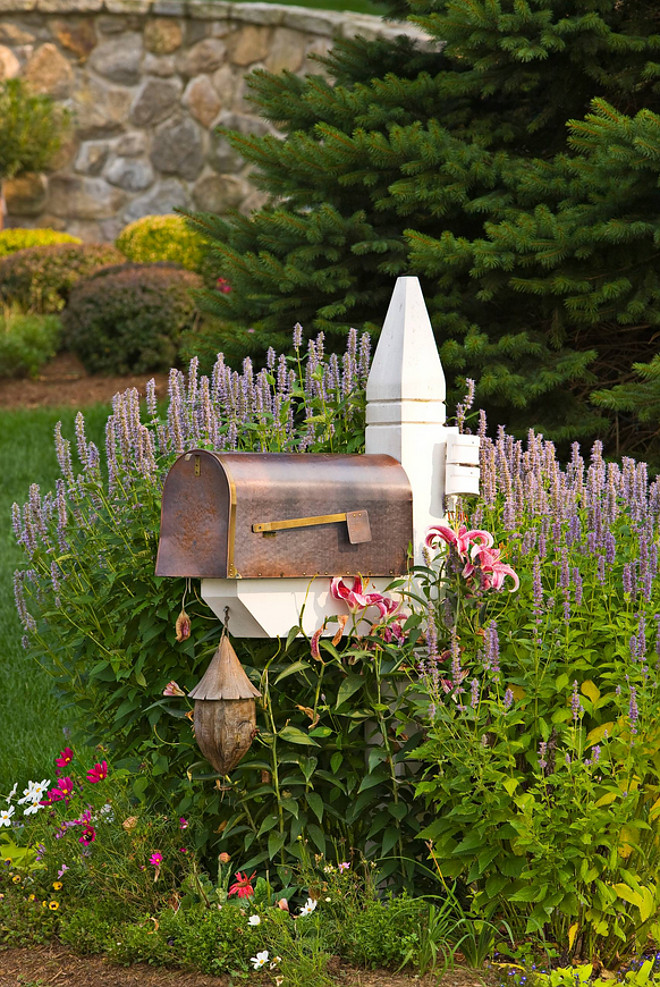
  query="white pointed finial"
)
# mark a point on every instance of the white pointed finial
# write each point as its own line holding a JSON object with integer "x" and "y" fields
{"x": 406, "y": 364}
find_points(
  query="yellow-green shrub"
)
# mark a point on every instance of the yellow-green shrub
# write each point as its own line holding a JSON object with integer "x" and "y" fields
{"x": 20, "y": 239}
{"x": 162, "y": 238}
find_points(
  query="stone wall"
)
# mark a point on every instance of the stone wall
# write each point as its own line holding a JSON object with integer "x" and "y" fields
{"x": 147, "y": 81}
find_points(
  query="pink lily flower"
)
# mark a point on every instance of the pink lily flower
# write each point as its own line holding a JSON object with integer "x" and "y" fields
{"x": 493, "y": 570}
{"x": 460, "y": 540}
{"x": 354, "y": 598}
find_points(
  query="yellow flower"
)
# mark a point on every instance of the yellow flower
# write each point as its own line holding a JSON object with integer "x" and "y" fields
{"x": 16, "y": 878}
{"x": 53, "y": 905}
{"x": 57, "y": 885}
{"x": 31, "y": 897}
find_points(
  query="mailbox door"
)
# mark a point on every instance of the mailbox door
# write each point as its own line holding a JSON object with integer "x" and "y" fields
{"x": 195, "y": 518}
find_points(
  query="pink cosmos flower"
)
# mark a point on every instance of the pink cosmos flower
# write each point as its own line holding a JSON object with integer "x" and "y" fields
{"x": 461, "y": 540}
{"x": 98, "y": 773}
{"x": 88, "y": 835}
{"x": 156, "y": 858}
{"x": 223, "y": 286}
{"x": 183, "y": 823}
{"x": 65, "y": 757}
{"x": 242, "y": 886}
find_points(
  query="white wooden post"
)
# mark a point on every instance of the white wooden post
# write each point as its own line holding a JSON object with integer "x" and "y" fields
{"x": 405, "y": 419}
{"x": 406, "y": 404}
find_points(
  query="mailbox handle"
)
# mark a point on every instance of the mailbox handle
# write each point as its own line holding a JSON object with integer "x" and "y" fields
{"x": 359, "y": 529}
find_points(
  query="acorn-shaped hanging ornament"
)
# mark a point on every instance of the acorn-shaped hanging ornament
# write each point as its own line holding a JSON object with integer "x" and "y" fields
{"x": 225, "y": 718}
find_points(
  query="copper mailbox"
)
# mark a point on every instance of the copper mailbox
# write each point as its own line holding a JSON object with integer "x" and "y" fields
{"x": 252, "y": 515}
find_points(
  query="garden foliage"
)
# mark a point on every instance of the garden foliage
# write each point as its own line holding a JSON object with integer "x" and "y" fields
{"x": 530, "y": 716}
{"x": 543, "y": 750}
{"x": 31, "y": 129}
{"x": 162, "y": 238}
{"x": 27, "y": 342}
{"x": 20, "y": 239}
{"x": 130, "y": 318}
{"x": 105, "y": 625}
{"x": 40, "y": 278}
{"x": 511, "y": 162}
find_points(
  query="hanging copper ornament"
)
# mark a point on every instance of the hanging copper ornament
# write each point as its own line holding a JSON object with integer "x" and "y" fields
{"x": 225, "y": 718}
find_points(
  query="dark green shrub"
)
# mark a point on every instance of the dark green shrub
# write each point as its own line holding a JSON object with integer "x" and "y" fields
{"x": 27, "y": 342}
{"x": 130, "y": 318}
{"x": 19, "y": 239}
{"x": 41, "y": 278}
{"x": 162, "y": 238}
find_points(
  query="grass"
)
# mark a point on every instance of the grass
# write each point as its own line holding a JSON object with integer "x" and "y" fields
{"x": 33, "y": 718}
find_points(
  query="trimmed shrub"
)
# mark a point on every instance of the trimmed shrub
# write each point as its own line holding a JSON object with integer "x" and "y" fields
{"x": 162, "y": 238}
{"x": 20, "y": 239}
{"x": 40, "y": 278}
{"x": 129, "y": 318}
{"x": 27, "y": 342}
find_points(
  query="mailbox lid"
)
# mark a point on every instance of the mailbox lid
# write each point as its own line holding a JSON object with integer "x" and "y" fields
{"x": 227, "y": 494}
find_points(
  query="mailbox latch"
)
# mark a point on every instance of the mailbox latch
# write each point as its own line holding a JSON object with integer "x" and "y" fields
{"x": 357, "y": 522}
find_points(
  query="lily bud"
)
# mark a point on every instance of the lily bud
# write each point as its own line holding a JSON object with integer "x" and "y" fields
{"x": 182, "y": 626}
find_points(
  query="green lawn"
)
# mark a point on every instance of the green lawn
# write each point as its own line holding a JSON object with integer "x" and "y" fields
{"x": 32, "y": 717}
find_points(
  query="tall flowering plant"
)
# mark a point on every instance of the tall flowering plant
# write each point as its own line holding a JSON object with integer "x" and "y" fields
{"x": 542, "y": 755}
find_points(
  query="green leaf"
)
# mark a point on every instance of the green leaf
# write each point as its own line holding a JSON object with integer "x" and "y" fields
{"x": 295, "y": 736}
{"x": 275, "y": 843}
{"x": 390, "y": 837}
{"x": 336, "y": 761}
{"x": 315, "y": 802}
{"x": 297, "y": 666}
{"x": 372, "y": 779}
{"x": 316, "y": 836}
{"x": 269, "y": 823}
{"x": 350, "y": 685}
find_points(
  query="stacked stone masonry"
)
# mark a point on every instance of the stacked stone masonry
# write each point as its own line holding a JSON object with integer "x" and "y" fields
{"x": 147, "y": 83}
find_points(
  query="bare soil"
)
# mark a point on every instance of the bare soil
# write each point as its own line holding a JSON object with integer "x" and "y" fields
{"x": 57, "y": 966}
{"x": 65, "y": 381}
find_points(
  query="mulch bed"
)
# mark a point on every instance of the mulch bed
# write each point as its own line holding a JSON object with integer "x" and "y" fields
{"x": 57, "y": 966}
{"x": 65, "y": 381}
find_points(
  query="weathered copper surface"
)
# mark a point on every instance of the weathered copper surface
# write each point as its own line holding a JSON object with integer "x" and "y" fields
{"x": 224, "y": 729}
{"x": 225, "y": 713}
{"x": 211, "y": 501}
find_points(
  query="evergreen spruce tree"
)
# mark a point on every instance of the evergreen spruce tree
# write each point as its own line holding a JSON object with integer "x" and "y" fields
{"x": 512, "y": 161}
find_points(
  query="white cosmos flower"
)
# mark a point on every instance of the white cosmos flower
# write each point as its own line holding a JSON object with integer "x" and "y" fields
{"x": 5, "y": 816}
{"x": 30, "y": 810}
{"x": 254, "y": 920}
{"x": 34, "y": 791}
{"x": 308, "y": 907}
{"x": 40, "y": 789}
{"x": 12, "y": 793}
{"x": 259, "y": 960}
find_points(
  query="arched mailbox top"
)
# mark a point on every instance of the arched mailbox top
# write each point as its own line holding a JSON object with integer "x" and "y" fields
{"x": 270, "y": 515}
